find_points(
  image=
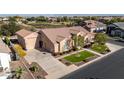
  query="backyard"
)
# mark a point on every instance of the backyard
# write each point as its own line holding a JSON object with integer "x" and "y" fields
{"x": 78, "y": 57}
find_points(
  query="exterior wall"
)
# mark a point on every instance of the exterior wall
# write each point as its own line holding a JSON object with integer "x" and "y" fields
{"x": 56, "y": 48}
{"x": 31, "y": 41}
{"x": 112, "y": 33}
{"x": 117, "y": 33}
{"x": 122, "y": 34}
{"x": 21, "y": 41}
{"x": 47, "y": 44}
{"x": 92, "y": 30}
{"x": 5, "y": 59}
{"x": 63, "y": 45}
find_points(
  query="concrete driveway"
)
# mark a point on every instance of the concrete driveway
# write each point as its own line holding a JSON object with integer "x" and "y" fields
{"x": 51, "y": 65}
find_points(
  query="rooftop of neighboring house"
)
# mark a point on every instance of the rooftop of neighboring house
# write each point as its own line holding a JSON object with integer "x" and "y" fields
{"x": 59, "y": 34}
{"x": 120, "y": 25}
{"x": 3, "y": 47}
{"x": 23, "y": 33}
{"x": 5, "y": 19}
{"x": 106, "y": 17}
{"x": 94, "y": 24}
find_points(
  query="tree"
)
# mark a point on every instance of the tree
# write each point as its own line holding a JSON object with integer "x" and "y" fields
{"x": 10, "y": 28}
{"x": 100, "y": 38}
{"x": 42, "y": 18}
{"x": 94, "y": 18}
{"x": 65, "y": 18}
{"x": 80, "y": 41}
{"x": 58, "y": 19}
{"x": 13, "y": 27}
{"x": 31, "y": 19}
{"x": 75, "y": 39}
{"x": 7, "y": 41}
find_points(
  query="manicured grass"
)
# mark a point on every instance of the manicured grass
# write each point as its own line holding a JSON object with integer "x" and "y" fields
{"x": 99, "y": 48}
{"x": 78, "y": 57}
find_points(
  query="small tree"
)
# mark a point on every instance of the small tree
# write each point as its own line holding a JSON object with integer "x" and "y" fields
{"x": 100, "y": 38}
{"x": 80, "y": 41}
{"x": 75, "y": 39}
{"x": 7, "y": 41}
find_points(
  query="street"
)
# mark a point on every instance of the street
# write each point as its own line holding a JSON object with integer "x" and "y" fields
{"x": 110, "y": 67}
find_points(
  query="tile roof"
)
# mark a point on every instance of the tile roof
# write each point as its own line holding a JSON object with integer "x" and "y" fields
{"x": 93, "y": 24}
{"x": 120, "y": 25}
{"x": 24, "y": 33}
{"x": 58, "y": 34}
{"x": 3, "y": 47}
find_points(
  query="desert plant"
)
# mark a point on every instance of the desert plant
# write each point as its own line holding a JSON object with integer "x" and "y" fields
{"x": 18, "y": 72}
{"x": 33, "y": 68}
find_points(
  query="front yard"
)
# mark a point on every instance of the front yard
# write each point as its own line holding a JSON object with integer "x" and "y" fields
{"x": 100, "y": 48}
{"x": 78, "y": 57}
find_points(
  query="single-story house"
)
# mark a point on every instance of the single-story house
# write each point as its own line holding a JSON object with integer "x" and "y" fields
{"x": 94, "y": 26}
{"x": 5, "y": 57}
{"x": 54, "y": 40}
{"x": 116, "y": 29}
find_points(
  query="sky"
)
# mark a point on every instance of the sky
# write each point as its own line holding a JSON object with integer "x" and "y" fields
{"x": 30, "y": 15}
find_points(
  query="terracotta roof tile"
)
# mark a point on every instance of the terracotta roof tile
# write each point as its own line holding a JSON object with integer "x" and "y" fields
{"x": 23, "y": 33}
{"x": 65, "y": 32}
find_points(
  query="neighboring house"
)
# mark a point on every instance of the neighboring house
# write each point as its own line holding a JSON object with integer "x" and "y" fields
{"x": 94, "y": 26}
{"x": 27, "y": 39}
{"x": 54, "y": 40}
{"x": 5, "y": 20}
{"x": 5, "y": 58}
{"x": 52, "y": 19}
{"x": 116, "y": 29}
{"x": 105, "y": 18}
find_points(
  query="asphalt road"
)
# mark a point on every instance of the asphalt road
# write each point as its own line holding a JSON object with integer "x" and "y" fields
{"x": 110, "y": 67}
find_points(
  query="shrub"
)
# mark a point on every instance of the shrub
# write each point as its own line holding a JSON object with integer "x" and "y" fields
{"x": 33, "y": 68}
{"x": 19, "y": 50}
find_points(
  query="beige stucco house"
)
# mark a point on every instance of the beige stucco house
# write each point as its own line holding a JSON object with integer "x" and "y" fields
{"x": 54, "y": 40}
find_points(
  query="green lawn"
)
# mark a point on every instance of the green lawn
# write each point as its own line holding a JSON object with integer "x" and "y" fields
{"x": 99, "y": 48}
{"x": 78, "y": 57}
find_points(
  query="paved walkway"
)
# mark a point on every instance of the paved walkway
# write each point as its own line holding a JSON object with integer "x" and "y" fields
{"x": 51, "y": 65}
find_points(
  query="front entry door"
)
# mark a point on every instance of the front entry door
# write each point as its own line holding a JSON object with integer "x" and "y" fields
{"x": 40, "y": 44}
